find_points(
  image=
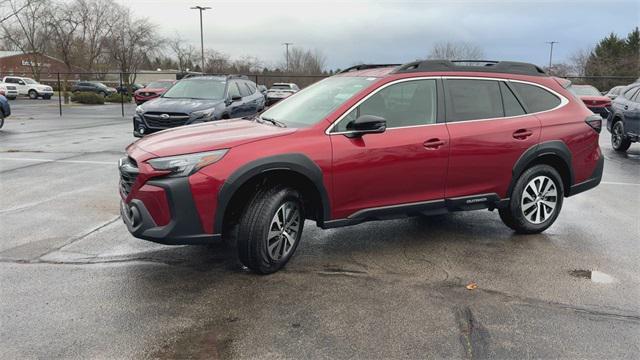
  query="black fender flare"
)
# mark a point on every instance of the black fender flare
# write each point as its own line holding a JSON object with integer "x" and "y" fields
{"x": 296, "y": 162}
{"x": 554, "y": 147}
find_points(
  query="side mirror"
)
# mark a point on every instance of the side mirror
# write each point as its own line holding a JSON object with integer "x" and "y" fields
{"x": 366, "y": 124}
{"x": 233, "y": 99}
{"x": 20, "y": 82}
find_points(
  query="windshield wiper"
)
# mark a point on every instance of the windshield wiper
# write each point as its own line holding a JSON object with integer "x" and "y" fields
{"x": 273, "y": 121}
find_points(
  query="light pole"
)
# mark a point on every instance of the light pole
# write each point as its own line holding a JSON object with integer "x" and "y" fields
{"x": 201, "y": 9}
{"x": 287, "y": 45}
{"x": 551, "y": 52}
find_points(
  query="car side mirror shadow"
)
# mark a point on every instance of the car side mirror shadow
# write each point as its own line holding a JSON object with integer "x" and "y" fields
{"x": 366, "y": 124}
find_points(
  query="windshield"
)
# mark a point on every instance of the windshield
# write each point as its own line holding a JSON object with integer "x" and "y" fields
{"x": 160, "y": 85}
{"x": 203, "y": 89}
{"x": 585, "y": 90}
{"x": 99, "y": 84}
{"x": 314, "y": 103}
{"x": 29, "y": 81}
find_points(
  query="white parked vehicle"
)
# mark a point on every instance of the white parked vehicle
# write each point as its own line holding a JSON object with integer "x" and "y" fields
{"x": 9, "y": 91}
{"x": 28, "y": 86}
{"x": 280, "y": 91}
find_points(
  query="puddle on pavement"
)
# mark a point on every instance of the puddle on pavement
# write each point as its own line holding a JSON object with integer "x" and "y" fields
{"x": 593, "y": 275}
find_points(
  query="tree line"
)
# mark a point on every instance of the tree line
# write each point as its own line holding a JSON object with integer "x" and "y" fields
{"x": 100, "y": 36}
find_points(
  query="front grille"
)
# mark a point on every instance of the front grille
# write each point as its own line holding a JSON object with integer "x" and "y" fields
{"x": 128, "y": 174}
{"x": 160, "y": 120}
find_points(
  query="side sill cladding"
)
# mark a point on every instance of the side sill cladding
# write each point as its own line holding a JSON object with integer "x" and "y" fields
{"x": 298, "y": 163}
{"x": 555, "y": 147}
{"x": 433, "y": 207}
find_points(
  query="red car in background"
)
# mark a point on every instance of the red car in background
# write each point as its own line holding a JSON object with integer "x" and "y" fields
{"x": 595, "y": 101}
{"x": 152, "y": 91}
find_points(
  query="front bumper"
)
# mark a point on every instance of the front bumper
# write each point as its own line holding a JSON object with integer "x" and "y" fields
{"x": 184, "y": 226}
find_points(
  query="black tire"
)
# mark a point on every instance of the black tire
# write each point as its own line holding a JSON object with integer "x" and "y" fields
{"x": 33, "y": 94}
{"x": 46, "y": 97}
{"x": 255, "y": 224}
{"x": 102, "y": 93}
{"x": 514, "y": 217}
{"x": 619, "y": 141}
{"x": 1, "y": 120}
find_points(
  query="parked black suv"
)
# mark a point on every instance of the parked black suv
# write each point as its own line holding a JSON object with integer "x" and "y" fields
{"x": 624, "y": 122}
{"x": 199, "y": 99}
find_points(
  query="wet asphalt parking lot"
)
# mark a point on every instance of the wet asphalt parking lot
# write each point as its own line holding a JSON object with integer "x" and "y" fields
{"x": 75, "y": 284}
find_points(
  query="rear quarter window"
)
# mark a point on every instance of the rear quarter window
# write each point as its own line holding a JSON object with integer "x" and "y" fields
{"x": 535, "y": 98}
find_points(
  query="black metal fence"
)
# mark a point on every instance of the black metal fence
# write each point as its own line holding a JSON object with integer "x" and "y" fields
{"x": 63, "y": 83}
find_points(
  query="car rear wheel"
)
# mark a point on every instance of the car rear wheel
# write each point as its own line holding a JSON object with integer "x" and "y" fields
{"x": 1, "y": 120}
{"x": 270, "y": 229}
{"x": 33, "y": 94}
{"x": 619, "y": 141}
{"x": 535, "y": 202}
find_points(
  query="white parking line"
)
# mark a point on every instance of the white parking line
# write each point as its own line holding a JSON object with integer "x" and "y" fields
{"x": 618, "y": 183}
{"x": 114, "y": 163}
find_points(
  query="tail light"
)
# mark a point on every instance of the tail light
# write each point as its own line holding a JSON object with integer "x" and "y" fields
{"x": 595, "y": 121}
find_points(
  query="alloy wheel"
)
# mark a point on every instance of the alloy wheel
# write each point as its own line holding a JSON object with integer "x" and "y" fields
{"x": 539, "y": 199}
{"x": 617, "y": 136}
{"x": 283, "y": 230}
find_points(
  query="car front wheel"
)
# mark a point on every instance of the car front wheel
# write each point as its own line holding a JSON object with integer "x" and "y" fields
{"x": 619, "y": 141}
{"x": 33, "y": 94}
{"x": 270, "y": 229}
{"x": 535, "y": 202}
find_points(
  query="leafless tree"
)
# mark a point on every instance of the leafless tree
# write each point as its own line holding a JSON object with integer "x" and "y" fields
{"x": 579, "y": 60}
{"x": 27, "y": 30}
{"x": 185, "y": 53}
{"x": 96, "y": 18}
{"x": 65, "y": 27}
{"x": 456, "y": 51}
{"x": 11, "y": 8}
{"x": 304, "y": 61}
{"x": 132, "y": 41}
{"x": 216, "y": 62}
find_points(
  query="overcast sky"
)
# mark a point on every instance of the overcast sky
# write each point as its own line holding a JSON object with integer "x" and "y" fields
{"x": 351, "y": 31}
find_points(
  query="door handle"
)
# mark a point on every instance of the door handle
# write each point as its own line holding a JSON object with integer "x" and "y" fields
{"x": 522, "y": 134}
{"x": 433, "y": 144}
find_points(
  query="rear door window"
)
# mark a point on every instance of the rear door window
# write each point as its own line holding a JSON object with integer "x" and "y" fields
{"x": 469, "y": 99}
{"x": 244, "y": 90}
{"x": 535, "y": 98}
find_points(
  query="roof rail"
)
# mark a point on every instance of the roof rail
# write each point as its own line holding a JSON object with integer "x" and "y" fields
{"x": 508, "y": 67}
{"x": 366, "y": 66}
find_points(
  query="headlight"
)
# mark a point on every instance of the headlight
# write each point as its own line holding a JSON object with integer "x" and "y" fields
{"x": 185, "y": 165}
{"x": 203, "y": 114}
{"x": 139, "y": 109}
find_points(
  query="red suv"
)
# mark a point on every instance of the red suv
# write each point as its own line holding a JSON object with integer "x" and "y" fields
{"x": 371, "y": 143}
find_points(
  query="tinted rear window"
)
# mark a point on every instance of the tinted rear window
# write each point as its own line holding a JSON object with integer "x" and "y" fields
{"x": 535, "y": 98}
{"x": 473, "y": 100}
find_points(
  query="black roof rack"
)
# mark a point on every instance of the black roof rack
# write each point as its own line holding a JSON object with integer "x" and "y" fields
{"x": 508, "y": 67}
{"x": 366, "y": 66}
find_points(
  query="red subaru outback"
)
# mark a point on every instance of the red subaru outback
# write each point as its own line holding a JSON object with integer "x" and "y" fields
{"x": 371, "y": 143}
